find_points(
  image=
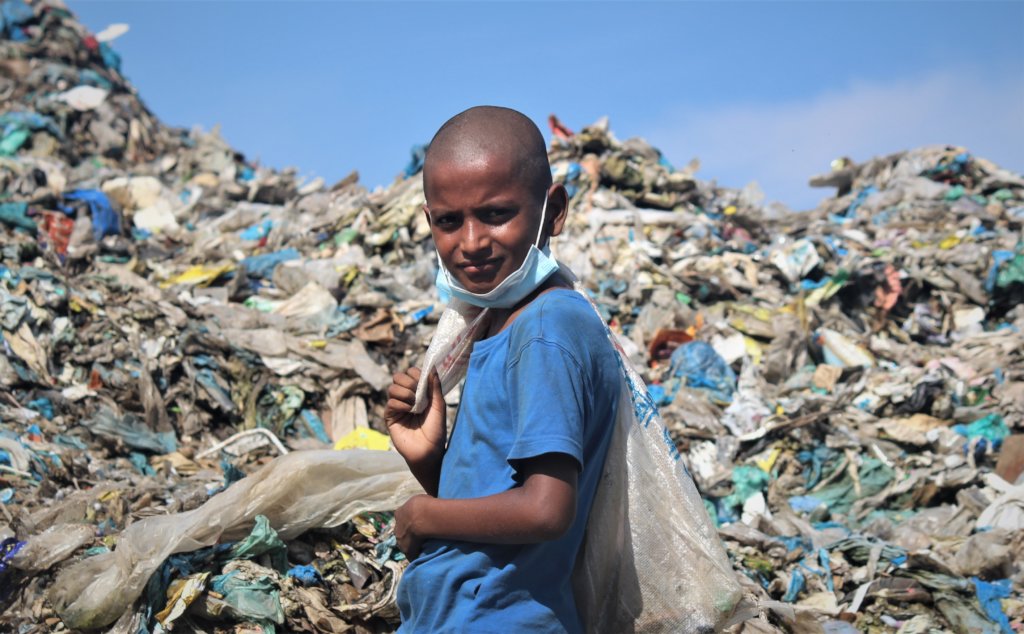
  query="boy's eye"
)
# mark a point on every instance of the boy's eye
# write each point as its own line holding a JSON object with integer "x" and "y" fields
{"x": 446, "y": 221}
{"x": 496, "y": 215}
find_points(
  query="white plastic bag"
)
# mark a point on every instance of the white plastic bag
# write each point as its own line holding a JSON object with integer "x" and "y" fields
{"x": 651, "y": 559}
{"x": 296, "y": 492}
{"x": 460, "y": 325}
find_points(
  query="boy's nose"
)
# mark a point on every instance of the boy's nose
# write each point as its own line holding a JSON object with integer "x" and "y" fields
{"x": 475, "y": 238}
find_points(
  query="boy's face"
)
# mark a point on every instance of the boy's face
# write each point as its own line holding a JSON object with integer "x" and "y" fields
{"x": 483, "y": 218}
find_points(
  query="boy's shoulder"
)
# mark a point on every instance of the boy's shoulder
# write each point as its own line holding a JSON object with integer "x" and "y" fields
{"x": 560, "y": 307}
{"x": 561, "y": 316}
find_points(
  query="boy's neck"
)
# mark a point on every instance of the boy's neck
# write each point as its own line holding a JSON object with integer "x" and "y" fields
{"x": 502, "y": 318}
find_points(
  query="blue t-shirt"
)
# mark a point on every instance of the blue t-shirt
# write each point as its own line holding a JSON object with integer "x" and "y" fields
{"x": 548, "y": 383}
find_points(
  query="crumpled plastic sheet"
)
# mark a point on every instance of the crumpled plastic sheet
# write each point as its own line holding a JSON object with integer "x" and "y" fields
{"x": 702, "y": 368}
{"x": 296, "y": 492}
{"x": 52, "y": 546}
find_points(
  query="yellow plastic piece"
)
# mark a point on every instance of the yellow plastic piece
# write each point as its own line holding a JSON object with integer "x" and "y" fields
{"x": 365, "y": 526}
{"x": 181, "y": 594}
{"x": 199, "y": 275}
{"x": 350, "y": 275}
{"x": 767, "y": 463}
{"x": 364, "y": 438}
{"x": 754, "y": 349}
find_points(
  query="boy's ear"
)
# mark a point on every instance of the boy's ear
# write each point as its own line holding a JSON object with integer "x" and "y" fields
{"x": 426, "y": 212}
{"x": 558, "y": 207}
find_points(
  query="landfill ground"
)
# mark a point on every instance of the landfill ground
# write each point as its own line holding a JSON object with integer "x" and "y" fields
{"x": 845, "y": 384}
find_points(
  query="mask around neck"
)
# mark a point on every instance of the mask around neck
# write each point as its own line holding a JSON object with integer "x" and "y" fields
{"x": 536, "y": 268}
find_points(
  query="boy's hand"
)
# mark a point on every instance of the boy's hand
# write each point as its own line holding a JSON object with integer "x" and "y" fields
{"x": 408, "y": 541}
{"x": 420, "y": 438}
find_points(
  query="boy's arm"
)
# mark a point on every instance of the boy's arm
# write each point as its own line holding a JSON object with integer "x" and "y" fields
{"x": 542, "y": 509}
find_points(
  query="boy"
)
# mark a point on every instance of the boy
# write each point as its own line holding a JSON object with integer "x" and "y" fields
{"x": 493, "y": 542}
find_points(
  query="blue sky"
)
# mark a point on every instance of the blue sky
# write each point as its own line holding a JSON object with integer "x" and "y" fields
{"x": 759, "y": 91}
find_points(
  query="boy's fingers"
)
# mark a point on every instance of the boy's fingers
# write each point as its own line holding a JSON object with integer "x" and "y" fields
{"x": 405, "y": 380}
{"x": 402, "y": 393}
{"x": 436, "y": 391}
{"x": 414, "y": 373}
{"x": 398, "y": 407}
{"x": 397, "y": 389}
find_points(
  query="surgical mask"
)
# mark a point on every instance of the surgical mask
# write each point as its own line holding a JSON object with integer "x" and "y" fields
{"x": 535, "y": 269}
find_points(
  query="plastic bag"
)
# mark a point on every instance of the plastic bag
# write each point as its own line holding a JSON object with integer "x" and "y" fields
{"x": 460, "y": 325}
{"x": 296, "y": 492}
{"x": 651, "y": 559}
{"x": 52, "y": 546}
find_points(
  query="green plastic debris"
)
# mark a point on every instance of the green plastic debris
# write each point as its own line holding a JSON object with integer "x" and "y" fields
{"x": 263, "y": 540}
{"x": 955, "y": 193}
{"x": 1011, "y": 272}
{"x": 345, "y": 236}
{"x": 278, "y": 407}
{"x": 747, "y": 481}
{"x": 840, "y": 496}
{"x": 261, "y": 304}
{"x": 761, "y": 564}
{"x": 257, "y": 599}
{"x": 992, "y": 428}
{"x": 13, "y": 141}
{"x": 16, "y": 215}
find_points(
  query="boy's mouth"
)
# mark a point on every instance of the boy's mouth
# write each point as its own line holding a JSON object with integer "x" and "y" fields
{"x": 482, "y": 267}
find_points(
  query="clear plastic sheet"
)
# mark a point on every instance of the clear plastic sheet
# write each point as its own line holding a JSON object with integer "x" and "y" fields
{"x": 651, "y": 560}
{"x": 52, "y": 546}
{"x": 296, "y": 492}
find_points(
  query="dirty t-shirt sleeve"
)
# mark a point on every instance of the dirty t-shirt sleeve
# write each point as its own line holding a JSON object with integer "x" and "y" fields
{"x": 546, "y": 388}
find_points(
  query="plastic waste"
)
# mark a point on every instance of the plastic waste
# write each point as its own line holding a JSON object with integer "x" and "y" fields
{"x": 841, "y": 352}
{"x": 105, "y": 221}
{"x": 1007, "y": 510}
{"x": 83, "y": 97}
{"x": 796, "y": 260}
{"x": 249, "y": 594}
{"x": 296, "y": 492}
{"x": 16, "y": 215}
{"x": 699, "y": 367}
{"x": 307, "y": 575}
{"x": 52, "y": 546}
{"x": 364, "y": 438}
{"x": 989, "y": 595}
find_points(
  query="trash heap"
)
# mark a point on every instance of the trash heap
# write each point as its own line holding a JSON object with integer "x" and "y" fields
{"x": 845, "y": 385}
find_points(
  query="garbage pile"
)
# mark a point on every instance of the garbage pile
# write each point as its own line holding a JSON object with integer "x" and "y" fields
{"x": 845, "y": 385}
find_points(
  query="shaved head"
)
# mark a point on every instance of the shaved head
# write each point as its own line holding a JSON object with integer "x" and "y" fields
{"x": 478, "y": 135}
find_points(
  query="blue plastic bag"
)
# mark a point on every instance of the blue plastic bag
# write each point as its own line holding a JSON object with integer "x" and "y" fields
{"x": 697, "y": 363}
{"x": 105, "y": 221}
{"x": 264, "y": 265}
